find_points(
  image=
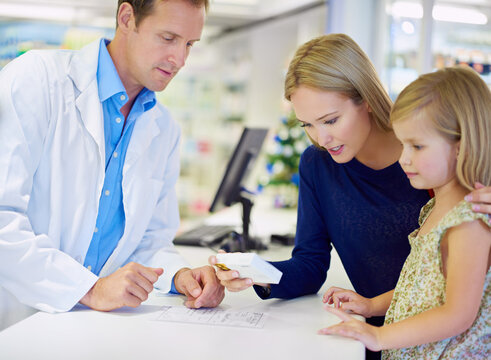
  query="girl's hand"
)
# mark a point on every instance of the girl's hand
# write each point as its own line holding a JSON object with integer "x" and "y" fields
{"x": 481, "y": 198}
{"x": 350, "y": 327}
{"x": 348, "y": 300}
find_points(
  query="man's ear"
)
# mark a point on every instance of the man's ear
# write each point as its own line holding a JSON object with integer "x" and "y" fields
{"x": 126, "y": 17}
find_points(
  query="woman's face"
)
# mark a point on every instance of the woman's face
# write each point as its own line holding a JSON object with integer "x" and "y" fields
{"x": 333, "y": 121}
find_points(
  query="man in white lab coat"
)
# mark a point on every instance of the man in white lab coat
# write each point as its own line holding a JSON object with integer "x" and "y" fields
{"x": 88, "y": 165}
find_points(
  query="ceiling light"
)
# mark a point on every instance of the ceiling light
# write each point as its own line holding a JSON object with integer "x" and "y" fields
{"x": 42, "y": 12}
{"x": 407, "y": 27}
{"x": 406, "y": 9}
{"x": 236, "y": 2}
{"x": 459, "y": 15}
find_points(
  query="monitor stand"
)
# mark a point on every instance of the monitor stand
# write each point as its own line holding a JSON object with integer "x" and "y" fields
{"x": 244, "y": 242}
{"x": 248, "y": 242}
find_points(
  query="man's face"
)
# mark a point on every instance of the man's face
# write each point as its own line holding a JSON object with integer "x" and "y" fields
{"x": 159, "y": 46}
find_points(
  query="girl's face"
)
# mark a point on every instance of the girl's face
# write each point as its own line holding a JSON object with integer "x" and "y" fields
{"x": 333, "y": 121}
{"x": 428, "y": 159}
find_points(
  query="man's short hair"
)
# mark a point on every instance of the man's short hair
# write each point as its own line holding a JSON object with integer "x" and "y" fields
{"x": 143, "y": 8}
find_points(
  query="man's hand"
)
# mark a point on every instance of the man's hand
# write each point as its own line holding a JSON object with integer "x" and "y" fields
{"x": 200, "y": 285}
{"x": 127, "y": 286}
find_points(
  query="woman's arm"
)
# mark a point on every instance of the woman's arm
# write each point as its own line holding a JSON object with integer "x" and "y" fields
{"x": 469, "y": 247}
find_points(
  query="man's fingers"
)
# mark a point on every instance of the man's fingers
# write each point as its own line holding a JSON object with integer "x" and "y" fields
{"x": 191, "y": 287}
{"x": 151, "y": 274}
{"x": 213, "y": 292}
{"x": 137, "y": 291}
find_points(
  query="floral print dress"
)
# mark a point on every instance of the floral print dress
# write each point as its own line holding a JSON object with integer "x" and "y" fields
{"x": 421, "y": 286}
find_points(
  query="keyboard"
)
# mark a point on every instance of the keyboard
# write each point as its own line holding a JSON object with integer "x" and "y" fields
{"x": 204, "y": 235}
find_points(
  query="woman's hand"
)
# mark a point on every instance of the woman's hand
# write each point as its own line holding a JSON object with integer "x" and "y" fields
{"x": 348, "y": 300}
{"x": 230, "y": 278}
{"x": 481, "y": 198}
{"x": 355, "y": 329}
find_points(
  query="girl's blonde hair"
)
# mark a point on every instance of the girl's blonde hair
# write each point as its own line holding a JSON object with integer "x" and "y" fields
{"x": 335, "y": 62}
{"x": 458, "y": 103}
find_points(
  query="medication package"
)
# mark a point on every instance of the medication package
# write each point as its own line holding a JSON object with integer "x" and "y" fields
{"x": 249, "y": 265}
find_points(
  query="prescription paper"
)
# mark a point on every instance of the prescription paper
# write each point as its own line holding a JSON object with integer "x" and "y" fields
{"x": 208, "y": 316}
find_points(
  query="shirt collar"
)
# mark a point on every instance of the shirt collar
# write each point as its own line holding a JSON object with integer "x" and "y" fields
{"x": 108, "y": 79}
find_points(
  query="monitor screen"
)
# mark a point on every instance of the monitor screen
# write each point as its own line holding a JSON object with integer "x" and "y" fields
{"x": 238, "y": 167}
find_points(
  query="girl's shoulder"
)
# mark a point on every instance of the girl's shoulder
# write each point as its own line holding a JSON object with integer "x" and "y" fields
{"x": 461, "y": 213}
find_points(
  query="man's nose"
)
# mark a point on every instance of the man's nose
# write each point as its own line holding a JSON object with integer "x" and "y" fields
{"x": 178, "y": 56}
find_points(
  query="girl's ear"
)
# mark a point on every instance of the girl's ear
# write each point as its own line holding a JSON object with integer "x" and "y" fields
{"x": 457, "y": 148}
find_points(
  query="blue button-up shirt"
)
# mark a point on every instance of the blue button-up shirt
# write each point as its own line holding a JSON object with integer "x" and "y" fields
{"x": 111, "y": 218}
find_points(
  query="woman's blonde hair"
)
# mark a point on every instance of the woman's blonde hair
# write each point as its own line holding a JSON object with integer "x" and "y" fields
{"x": 335, "y": 62}
{"x": 458, "y": 103}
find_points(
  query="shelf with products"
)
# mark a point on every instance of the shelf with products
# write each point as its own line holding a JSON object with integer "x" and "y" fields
{"x": 453, "y": 42}
{"x": 17, "y": 37}
{"x": 208, "y": 98}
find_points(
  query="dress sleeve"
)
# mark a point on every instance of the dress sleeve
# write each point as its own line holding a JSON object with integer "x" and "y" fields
{"x": 306, "y": 271}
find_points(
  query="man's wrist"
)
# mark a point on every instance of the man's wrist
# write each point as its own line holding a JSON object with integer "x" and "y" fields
{"x": 176, "y": 279}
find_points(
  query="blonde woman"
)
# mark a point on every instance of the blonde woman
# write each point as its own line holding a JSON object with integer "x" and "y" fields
{"x": 441, "y": 306}
{"x": 353, "y": 193}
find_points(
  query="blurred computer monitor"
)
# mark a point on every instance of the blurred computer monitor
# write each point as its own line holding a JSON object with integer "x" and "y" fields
{"x": 230, "y": 192}
{"x": 239, "y": 165}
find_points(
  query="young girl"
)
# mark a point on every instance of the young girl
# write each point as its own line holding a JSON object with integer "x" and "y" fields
{"x": 441, "y": 305}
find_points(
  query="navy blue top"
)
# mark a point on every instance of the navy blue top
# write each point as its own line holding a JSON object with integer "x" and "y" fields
{"x": 366, "y": 214}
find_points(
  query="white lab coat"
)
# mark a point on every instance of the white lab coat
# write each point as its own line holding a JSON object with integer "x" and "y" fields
{"x": 51, "y": 176}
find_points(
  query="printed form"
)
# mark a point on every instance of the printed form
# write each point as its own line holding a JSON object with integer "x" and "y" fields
{"x": 208, "y": 316}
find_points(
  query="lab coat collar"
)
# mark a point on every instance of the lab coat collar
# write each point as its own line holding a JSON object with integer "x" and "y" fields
{"x": 82, "y": 70}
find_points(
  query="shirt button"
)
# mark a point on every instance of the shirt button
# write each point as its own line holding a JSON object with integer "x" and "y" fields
{"x": 107, "y": 192}
{"x": 89, "y": 268}
{"x": 122, "y": 97}
{"x": 118, "y": 120}
{"x": 96, "y": 230}
{"x": 115, "y": 154}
